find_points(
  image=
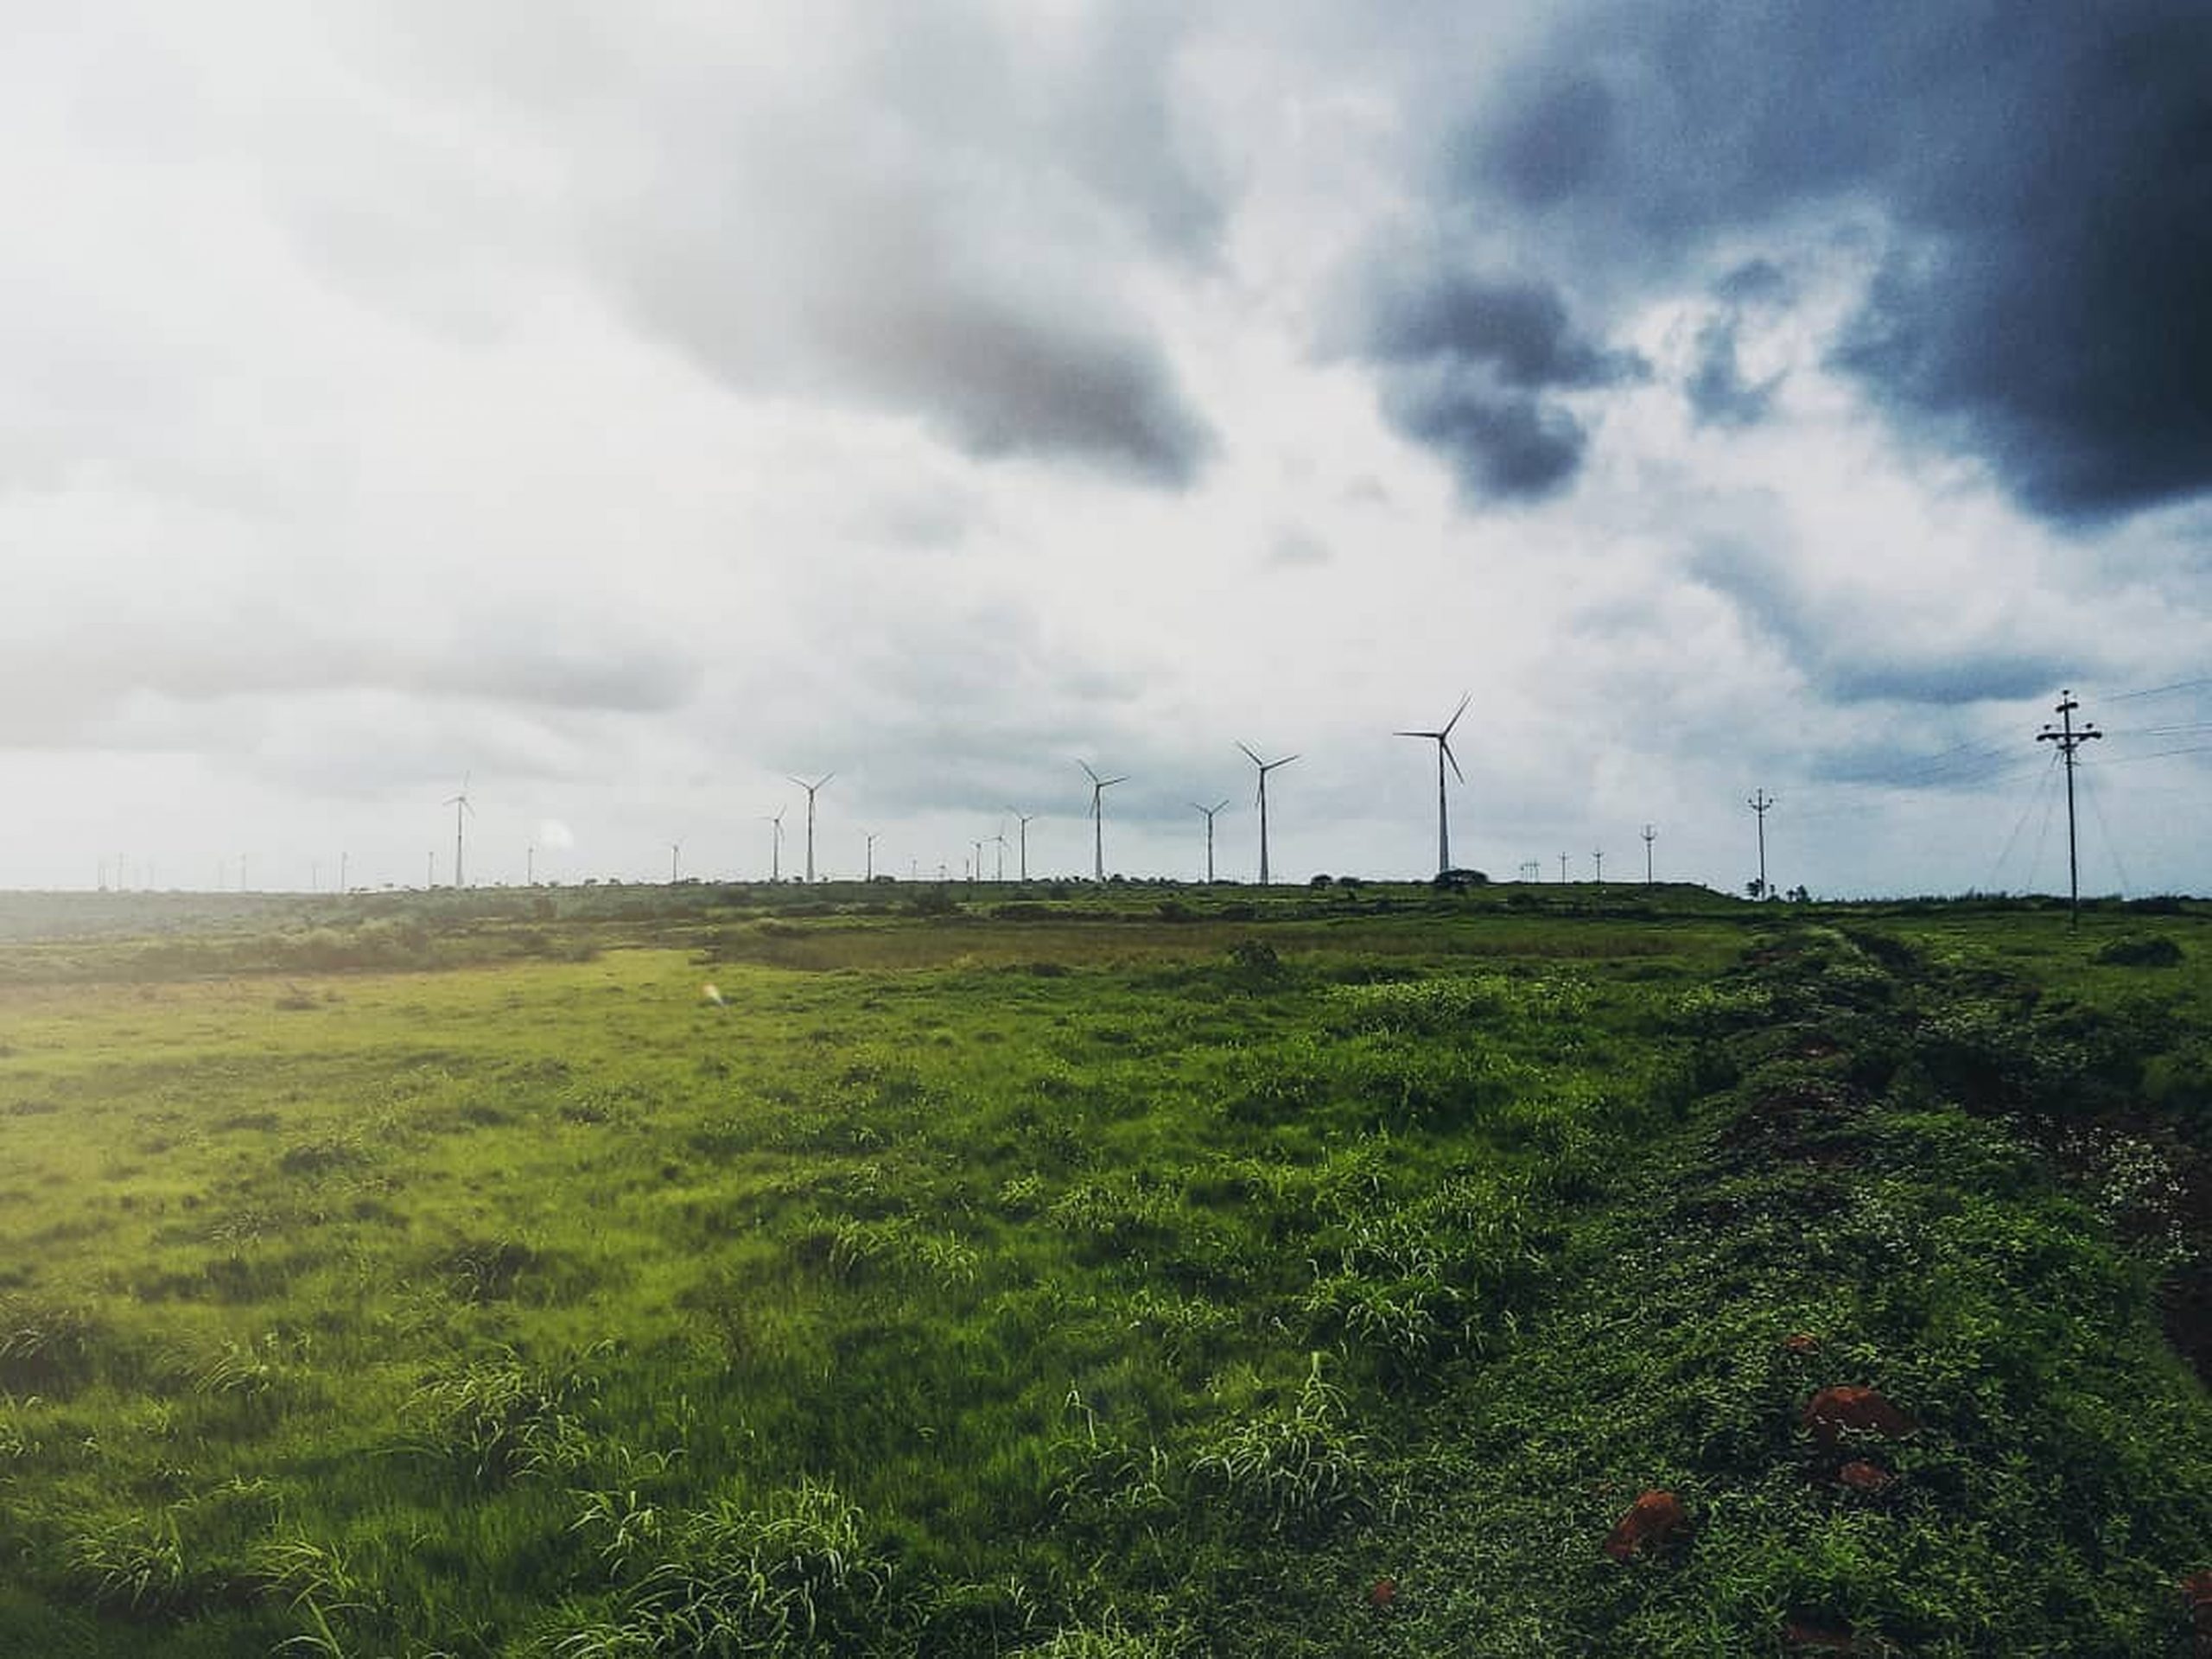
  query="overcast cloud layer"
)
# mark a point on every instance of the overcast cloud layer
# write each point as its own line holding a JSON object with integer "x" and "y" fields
{"x": 626, "y": 407}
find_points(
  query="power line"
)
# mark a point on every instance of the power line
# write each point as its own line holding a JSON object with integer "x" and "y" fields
{"x": 2043, "y": 786}
{"x": 2158, "y": 691}
{"x": 2096, "y": 805}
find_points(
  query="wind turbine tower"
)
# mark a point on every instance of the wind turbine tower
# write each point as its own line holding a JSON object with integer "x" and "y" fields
{"x": 1023, "y": 819}
{"x": 1209, "y": 812}
{"x": 461, "y": 811}
{"x": 810, "y": 788}
{"x": 1265, "y": 766}
{"x": 1443, "y": 741}
{"x": 775, "y": 845}
{"x": 675, "y": 861}
{"x": 1098, "y": 788}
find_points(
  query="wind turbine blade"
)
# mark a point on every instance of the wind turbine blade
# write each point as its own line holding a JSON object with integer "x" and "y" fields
{"x": 826, "y": 777}
{"x": 1110, "y": 782}
{"x": 1453, "y": 759}
{"x": 1087, "y": 771}
{"x": 1466, "y": 699}
{"x": 1219, "y": 804}
{"x": 1430, "y": 735}
{"x": 1255, "y": 758}
{"x": 1285, "y": 760}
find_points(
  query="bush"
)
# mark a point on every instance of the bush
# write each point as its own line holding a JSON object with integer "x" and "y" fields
{"x": 2141, "y": 950}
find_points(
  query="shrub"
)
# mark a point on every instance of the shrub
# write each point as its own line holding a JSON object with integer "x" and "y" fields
{"x": 2141, "y": 950}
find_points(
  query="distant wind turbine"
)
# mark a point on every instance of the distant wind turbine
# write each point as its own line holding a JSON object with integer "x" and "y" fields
{"x": 1024, "y": 819}
{"x": 1098, "y": 788}
{"x": 461, "y": 811}
{"x": 872, "y": 838}
{"x": 675, "y": 861}
{"x": 1265, "y": 766}
{"x": 1209, "y": 812}
{"x": 1443, "y": 741}
{"x": 810, "y": 788}
{"x": 776, "y": 844}
{"x": 1000, "y": 839}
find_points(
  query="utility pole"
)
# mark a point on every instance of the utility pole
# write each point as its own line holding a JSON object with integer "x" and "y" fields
{"x": 2069, "y": 740}
{"x": 1762, "y": 803}
{"x": 1649, "y": 835}
{"x": 1598, "y": 860}
{"x": 1562, "y": 869}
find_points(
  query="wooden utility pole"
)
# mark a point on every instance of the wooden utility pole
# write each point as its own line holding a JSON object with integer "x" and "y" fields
{"x": 1761, "y": 802}
{"x": 2069, "y": 740}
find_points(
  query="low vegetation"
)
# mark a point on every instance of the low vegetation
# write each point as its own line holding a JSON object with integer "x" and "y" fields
{"x": 1112, "y": 1273}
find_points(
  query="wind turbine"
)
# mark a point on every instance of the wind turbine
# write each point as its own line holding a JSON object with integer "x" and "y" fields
{"x": 1443, "y": 740}
{"x": 810, "y": 788}
{"x": 872, "y": 838}
{"x": 461, "y": 807}
{"x": 675, "y": 861}
{"x": 1209, "y": 812}
{"x": 975, "y": 870}
{"x": 776, "y": 844}
{"x": 1000, "y": 839}
{"x": 1024, "y": 819}
{"x": 1265, "y": 766}
{"x": 1098, "y": 787}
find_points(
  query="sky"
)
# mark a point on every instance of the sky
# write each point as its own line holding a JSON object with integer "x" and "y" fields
{"x": 620, "y": 409}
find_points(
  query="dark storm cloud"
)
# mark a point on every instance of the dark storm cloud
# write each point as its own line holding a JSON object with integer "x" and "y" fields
{"x": 2044, "y": 175}
{"x": 1463, "y": 364}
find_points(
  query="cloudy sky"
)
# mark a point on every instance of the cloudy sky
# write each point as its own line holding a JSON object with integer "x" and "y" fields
{"x": 626, "y": 406}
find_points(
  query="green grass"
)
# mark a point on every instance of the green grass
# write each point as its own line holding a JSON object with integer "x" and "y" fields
{"x": 1092, "y": 1277}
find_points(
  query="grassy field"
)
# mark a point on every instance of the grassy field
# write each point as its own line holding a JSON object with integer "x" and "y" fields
{"x": 1098, "y": 1272}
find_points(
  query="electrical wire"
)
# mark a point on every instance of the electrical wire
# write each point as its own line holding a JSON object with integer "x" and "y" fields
{"x": 2156, "y": 690}
{"x": 2097, "y": 806}
{"x": 2019, "y": 824}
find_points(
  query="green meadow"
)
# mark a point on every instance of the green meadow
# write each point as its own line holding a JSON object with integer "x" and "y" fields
{"x": 1099, "y": 1272}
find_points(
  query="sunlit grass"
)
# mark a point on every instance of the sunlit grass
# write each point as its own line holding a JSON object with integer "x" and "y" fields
{"x": 1103, "y": 1283}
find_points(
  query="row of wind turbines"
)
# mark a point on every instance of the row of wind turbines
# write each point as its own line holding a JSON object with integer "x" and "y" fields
{"x": 463, "y": 810}
{"x": 1441, "y": 737}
